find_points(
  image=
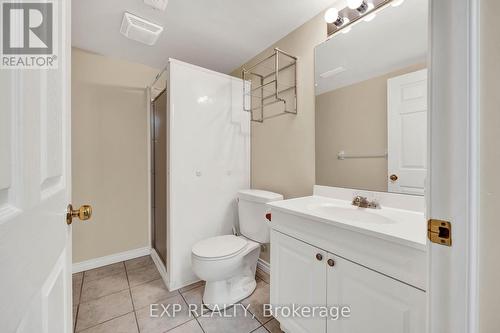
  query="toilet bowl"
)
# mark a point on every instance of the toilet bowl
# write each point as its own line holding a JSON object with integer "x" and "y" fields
{"x": 227, "y": 263}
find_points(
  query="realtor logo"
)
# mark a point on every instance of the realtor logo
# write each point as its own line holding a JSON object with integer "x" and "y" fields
{"x": 28, "y": 34}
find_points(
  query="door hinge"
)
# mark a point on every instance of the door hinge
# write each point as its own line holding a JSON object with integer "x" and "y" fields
{"x": 439, "y": 232}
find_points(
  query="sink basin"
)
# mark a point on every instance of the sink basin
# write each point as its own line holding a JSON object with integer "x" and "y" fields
{"x": 354, "y": 214}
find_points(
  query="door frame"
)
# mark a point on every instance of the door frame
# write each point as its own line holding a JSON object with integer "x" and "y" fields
{"x": 453, "y": 177}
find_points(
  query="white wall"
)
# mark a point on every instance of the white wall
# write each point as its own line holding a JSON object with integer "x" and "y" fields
{"x": 209, "y": 160}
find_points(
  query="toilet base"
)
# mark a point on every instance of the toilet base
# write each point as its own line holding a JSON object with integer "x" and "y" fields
{"x": 220, "y": 295}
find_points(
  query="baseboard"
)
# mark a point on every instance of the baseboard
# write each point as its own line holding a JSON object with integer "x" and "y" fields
{"x": 161, "y": 268}
{"x": 264, "y": 266}
{"x": 111, "y": 259}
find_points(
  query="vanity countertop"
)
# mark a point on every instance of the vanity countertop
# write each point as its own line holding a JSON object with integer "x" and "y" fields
{"x": 405, "y": 227}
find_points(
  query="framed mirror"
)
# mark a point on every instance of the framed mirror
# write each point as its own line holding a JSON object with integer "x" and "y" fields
{"x": 371, "y": 102}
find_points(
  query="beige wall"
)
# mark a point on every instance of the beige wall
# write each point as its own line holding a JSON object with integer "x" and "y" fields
{"x": 283, "y": 147}
{"x": 354, "y": 119}
{"x": 109, "y": 154}
{"x": 489, "y": 246}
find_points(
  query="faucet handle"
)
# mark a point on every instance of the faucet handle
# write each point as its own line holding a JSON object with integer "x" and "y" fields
{"x": 374, "y": 204}
{"x": 358, "y": 200}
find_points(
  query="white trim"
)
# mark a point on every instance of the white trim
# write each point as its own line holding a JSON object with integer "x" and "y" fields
{"x": 150, "y": 171}
{"x": 163, "y": 273}
{"x": 161, "y": 268}
{"x": 453, "y": 272}
{"x": 264, "y": 266}
{"x": 474, "y": 167}
{"x": 111, "y": 259}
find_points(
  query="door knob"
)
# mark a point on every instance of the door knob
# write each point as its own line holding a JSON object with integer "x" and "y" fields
{"x": 331, "y": 262}
{"x": 83, "y": 213}
{"x": 393, "y": 178}
{"x": 319, "y": 256}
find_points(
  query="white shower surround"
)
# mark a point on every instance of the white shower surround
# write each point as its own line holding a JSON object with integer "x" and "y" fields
{"x": 209, "y": 161}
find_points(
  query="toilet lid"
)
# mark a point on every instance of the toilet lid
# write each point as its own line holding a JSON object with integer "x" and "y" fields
{"x": 220, "y": 246}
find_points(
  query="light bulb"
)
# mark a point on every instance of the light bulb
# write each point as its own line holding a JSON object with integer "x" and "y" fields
{"x": 354, "y": 4}
{"x": 331, "y": 15}
{"x": 396, "y": 3}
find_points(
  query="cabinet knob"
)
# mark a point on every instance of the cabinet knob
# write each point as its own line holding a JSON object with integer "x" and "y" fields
{"x": 319, "y": 256}
{"x": 331, "y": 262}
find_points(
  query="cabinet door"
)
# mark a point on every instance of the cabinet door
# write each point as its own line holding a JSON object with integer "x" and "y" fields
{"x": 298, "y": 276}
{"x": 378, "y": 303}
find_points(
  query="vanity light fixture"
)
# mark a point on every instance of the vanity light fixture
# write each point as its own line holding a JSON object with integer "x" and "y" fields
{"x": 360, "y": 5}
{"x": 370, "y": 16}
{"x": 346, "y": 30}
{"x": 355, "y": 11}
{"x": 346, "y": 22}
{"x": 332, "y": 16}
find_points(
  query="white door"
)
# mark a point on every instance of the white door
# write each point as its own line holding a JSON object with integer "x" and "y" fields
{"x": 378, "y": 303}
{"x": 35, "y": 241}
{"x": 298, "y": 276}
{"x": 407, "y": 132}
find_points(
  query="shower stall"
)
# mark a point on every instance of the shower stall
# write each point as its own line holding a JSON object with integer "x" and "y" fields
{"x": 200, "y": 158}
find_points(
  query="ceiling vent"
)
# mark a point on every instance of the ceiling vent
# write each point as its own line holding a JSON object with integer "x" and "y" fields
{"x": 157, "y": 4}
{"x": 140, "y": 30}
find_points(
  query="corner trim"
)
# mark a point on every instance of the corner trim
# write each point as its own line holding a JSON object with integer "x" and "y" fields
{"x": 110, "y": 259}
{"x": 161, "y": 268}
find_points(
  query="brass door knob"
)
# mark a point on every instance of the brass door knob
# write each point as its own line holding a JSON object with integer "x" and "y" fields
{"x": 393, "y": 178}
{"x": 319, "y": 256}
{"x": 331, "y": 262}
{"x": 83, "y": 213}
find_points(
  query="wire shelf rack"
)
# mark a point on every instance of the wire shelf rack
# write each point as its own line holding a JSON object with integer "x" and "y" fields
{"x": 270, "y": 88}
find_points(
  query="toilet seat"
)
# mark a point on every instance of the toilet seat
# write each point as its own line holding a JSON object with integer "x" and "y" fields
{"x": 219, "y": 247}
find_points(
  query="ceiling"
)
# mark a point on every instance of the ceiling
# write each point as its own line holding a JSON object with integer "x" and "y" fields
{"x": 396, "y": 38}
{"x": 216, "y": 34}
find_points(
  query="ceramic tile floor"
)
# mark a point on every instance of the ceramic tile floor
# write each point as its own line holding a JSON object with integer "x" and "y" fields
{"x": 117, "y": 298}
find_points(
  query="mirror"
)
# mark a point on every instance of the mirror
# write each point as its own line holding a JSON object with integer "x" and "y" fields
{"x": 371, "y": 102}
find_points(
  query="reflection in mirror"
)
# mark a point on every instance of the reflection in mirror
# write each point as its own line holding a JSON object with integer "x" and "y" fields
{"x": 371, "y": 103}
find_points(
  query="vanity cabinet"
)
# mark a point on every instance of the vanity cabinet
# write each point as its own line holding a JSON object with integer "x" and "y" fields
{"x": 298, "y": 277}
{"x": 305, "y": 275}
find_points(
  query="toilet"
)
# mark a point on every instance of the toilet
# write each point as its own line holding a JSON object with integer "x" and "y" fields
{"x": 227, "y": 263}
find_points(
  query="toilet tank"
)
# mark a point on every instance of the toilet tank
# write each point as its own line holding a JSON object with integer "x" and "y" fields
{"x": 252, "y": 212}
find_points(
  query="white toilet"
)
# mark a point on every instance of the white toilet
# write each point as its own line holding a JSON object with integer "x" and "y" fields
{"x": 227, "y": 263}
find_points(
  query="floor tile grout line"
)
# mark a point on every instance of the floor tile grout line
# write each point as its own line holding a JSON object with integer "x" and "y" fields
{"x": 195, "y": 318}
{"x": 199, "y": 324}
{"x": 116, "y": 292}
{"x": 185, "y": 301}
{"x": 173, "y": 328}
{"x": 143, "y": 283}
{"x": 98, "y": 298}
{"x": 162, "y": 299}
{"x": 131, "y": 298}
{"x": 107, "y": 320}
{"x": 258, "y": 328}
{"x": 255, "y": 316}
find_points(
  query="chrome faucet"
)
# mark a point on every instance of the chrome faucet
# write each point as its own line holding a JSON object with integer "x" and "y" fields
{"x": 363, "y": 202}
